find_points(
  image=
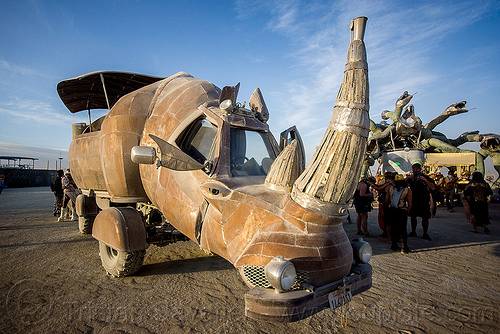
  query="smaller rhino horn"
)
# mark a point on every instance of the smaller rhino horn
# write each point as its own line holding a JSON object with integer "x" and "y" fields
{"x": 286, "y": 168}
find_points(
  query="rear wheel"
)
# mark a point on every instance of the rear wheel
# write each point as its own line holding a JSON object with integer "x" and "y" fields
{"x": 120, "y": 263}
{"x": 85, "y": 224}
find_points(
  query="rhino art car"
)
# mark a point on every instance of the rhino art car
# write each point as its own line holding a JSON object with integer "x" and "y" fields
{"x": 178, "y": 155}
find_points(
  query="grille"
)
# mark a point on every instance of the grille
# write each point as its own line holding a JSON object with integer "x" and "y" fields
{"x": 257, "y": 277}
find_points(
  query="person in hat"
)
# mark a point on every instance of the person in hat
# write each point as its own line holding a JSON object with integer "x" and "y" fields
{"x": 421, "y": 186}
{"x": 398, "y": 202}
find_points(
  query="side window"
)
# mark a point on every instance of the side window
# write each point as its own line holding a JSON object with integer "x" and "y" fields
{"x": 198, "y": 140}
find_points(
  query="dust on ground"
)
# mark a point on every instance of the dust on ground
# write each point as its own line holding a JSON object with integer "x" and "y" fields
{"x": 52, "y": 281}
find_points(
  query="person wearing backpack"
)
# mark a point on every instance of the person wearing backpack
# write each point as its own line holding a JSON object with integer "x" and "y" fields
{"x": 398, "y": 202}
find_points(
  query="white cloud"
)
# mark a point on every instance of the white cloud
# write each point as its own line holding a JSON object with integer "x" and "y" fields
{"x": 398, "y": 38}
{"x": 401, "y": 40}
{"x": 13, "y": 69}
{"x": 34, "y": 112}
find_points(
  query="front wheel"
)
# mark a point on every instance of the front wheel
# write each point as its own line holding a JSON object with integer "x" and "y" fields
{"x": 120, "y": 263}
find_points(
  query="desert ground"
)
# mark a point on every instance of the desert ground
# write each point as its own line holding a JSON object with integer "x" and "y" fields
{"x": 52, "y": 281}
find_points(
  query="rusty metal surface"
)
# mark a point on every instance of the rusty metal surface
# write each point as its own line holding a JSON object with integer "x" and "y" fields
{"x": 121, "y": 229}
{"x": 86, "y": 206}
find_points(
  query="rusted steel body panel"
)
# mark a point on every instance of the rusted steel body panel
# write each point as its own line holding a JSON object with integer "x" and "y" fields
{"x": 122, "y": 229}
{"x": 100, "y": 160}
{"x": 85, "y": 161}
{"x": 121, "y": 130}
{"x": 175, "y": 105}
{"x": 253, "y": 225}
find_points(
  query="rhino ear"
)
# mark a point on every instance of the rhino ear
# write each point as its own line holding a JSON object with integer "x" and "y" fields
{"x": 258, "y": 105}
{"x": 229, "y": 93}
{"x": 286, "y": 168}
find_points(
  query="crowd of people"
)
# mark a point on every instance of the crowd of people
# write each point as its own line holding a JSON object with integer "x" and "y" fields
{"x": 65, "y": 192}
{"x": 417, "y": 195}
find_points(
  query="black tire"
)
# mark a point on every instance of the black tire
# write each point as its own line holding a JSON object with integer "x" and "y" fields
{"x": 119, "y": 263}
{"x": 85, "y": 224}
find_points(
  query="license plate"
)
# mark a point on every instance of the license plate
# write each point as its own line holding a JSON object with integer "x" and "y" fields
{"x": 337, "y": 298}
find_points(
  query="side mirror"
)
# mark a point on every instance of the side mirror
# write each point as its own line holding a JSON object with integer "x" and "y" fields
{"x": 174, "y": 158}
{"x": 143, "y": 155}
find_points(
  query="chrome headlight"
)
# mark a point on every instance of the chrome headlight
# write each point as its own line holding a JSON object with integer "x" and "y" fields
{"x": 362, "y": 251}
{"x": 280, "y": 273}
{"x": 226, "y": 106}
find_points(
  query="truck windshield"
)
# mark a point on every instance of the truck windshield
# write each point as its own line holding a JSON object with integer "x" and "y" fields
{"x": 251, "y": 152}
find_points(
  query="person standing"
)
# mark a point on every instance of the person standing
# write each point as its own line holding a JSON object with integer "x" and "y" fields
{"x": 2, "y": 184}
{"x": 70, "y": 192}
{"x": 421, "y": 186}
{"x": 439, "y": 192}
{"x": 58, "y": 191}
{"x": 398, "y": 202}
{"x": 450, "y": 182}
{"x": 381, "y": 188}
{"x": 363, "y": 199}
{"x": 476, "y": 193}
{"x": 462, "y": 183}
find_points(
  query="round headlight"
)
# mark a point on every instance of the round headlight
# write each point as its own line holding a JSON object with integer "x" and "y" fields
{"x": 226, "y": 105}
{"x": 362, "y": 251}
{"x": 280, "y": 273}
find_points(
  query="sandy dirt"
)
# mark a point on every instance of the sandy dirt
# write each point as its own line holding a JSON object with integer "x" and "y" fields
{"x": 52, "y": 281}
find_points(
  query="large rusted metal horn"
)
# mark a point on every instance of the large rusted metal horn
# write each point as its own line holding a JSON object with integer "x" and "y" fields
{"x": 329, "y": 181}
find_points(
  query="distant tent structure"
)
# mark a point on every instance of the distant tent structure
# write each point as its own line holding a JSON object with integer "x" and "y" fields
{"x": 15, "y": 162}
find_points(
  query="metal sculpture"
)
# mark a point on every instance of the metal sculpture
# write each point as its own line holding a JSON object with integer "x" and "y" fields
{"x": 407, "y": 134}
{"x": 180, "y": 152}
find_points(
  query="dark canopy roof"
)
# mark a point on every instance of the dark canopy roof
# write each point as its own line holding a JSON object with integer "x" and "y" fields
{"x": 86, "y": 91}
{"x": 4, "y": 157}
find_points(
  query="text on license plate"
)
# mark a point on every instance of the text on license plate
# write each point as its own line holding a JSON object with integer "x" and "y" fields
{"x": 337, "y": 298}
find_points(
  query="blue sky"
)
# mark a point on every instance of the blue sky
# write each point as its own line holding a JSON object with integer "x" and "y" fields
{"x": 294, "y": 51}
